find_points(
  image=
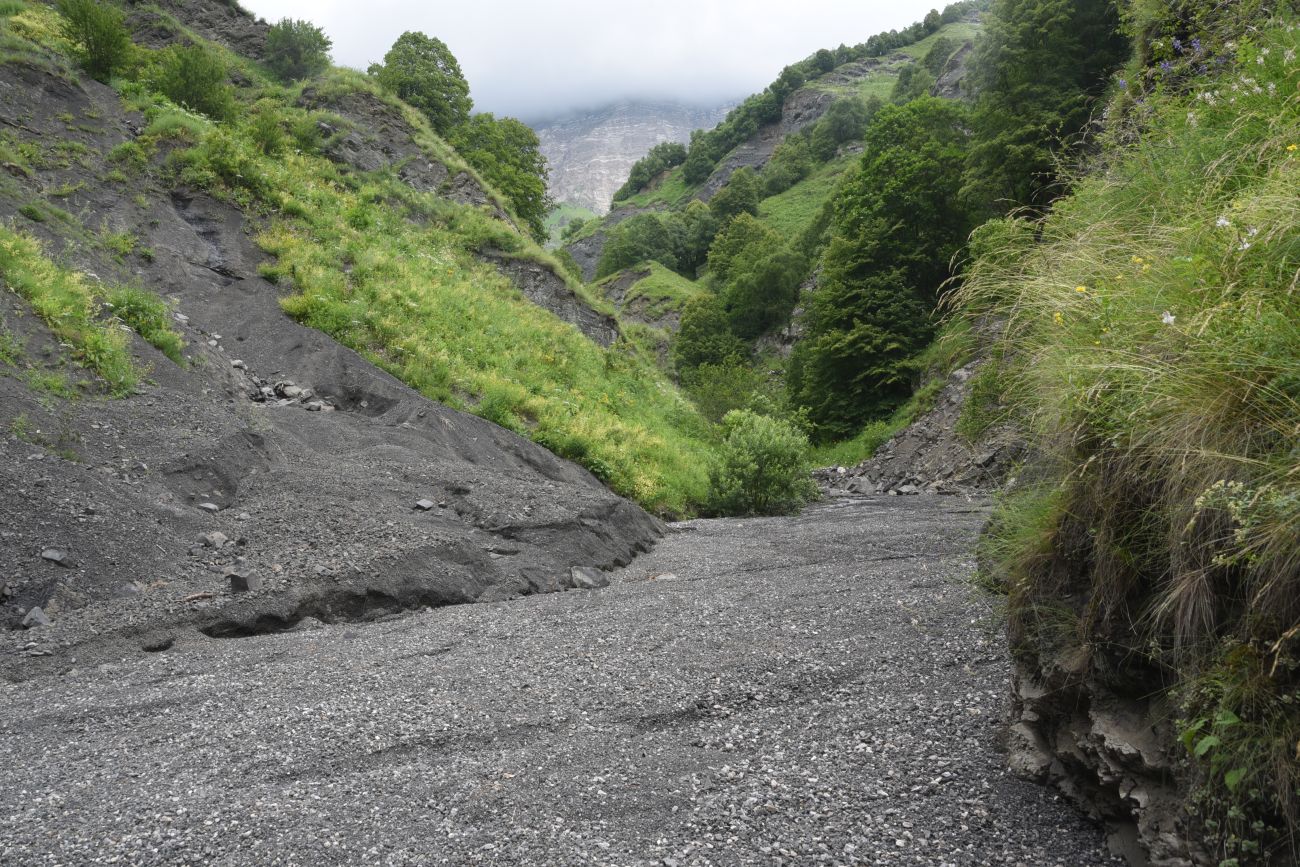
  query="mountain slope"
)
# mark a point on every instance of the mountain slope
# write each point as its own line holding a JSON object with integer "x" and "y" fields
{"x": 868, "y": 77}
{"x": 179, "y": 448}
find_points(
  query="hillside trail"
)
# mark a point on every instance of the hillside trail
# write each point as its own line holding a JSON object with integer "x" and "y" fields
{"x": 820, "y": 689}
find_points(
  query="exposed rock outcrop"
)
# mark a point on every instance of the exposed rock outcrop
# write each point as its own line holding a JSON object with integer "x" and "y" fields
{"x": 1109, "y": 748}
{"x": 547, "y": 289}
{"x": 930, "y": 456}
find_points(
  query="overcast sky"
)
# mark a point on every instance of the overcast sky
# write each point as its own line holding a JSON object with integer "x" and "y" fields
{"x": 538, "y": 59}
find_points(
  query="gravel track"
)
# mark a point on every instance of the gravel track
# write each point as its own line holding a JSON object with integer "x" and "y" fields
{"x": 819, "y": 689}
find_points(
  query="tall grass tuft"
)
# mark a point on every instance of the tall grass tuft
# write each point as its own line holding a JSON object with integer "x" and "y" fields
{"x": 1152, "y": 346}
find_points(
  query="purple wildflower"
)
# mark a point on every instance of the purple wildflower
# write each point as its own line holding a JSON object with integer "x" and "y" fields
{"x": 1166, "y": 66}
{"x": 1178, "y": 45}
{"x": 1196, "y": 45}
{"x": 1123, "y": 84}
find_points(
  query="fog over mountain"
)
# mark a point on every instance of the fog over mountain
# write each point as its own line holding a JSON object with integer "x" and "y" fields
{"x": 535, "y": 61}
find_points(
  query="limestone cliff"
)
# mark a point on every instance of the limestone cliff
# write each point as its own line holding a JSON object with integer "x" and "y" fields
{"x": 591, "y": 152}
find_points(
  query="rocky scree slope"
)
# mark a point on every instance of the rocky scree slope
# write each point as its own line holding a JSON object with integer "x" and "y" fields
{"x": 275, "y": 475}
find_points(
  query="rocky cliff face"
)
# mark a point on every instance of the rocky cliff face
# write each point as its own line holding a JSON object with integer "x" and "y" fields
{"x": 591, "y": 152}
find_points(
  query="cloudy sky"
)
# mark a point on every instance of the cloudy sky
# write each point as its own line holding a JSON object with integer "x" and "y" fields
{"x": 536, "y": 59}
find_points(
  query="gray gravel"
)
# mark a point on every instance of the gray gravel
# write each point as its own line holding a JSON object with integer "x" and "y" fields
{"x": 820, "y": 689}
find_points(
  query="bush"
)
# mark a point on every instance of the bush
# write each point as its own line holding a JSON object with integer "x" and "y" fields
{"x": 717, "y": 389}
{"x": 296, "y": 50}
{"x": 764, "y": 467}
{"x": 194, "y": 77}
{"x": 100, "y": 34}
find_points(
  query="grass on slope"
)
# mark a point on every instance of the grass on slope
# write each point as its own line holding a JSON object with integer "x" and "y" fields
{"x": 1153, "y": 347}
{"x": 880, "y": 81}
{"x": 396, "y": 275}
{"x": 794, "y": 210}
{"x": 663, "y": 290}
{"x": 84, "y": 318}
{"x": 561, "y": 216}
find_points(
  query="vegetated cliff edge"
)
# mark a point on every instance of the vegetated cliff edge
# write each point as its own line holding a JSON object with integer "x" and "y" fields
{"x": 1147, "y": 548}
{"x": 237, "y": 472}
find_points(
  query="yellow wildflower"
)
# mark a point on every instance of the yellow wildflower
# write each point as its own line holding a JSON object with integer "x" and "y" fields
{"x": 1292, "y": 147}
{"x": 1146, "y": 266}
{"x": 1137, "y": 260}
{"x": 1082, "y": 290}
{"x": 1058, "y": 318}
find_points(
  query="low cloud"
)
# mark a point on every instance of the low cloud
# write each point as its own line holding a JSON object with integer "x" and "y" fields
{"x": 535, "y": 60}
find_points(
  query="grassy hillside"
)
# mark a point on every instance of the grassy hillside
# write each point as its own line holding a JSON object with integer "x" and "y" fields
{"x": 391, "y": 271}
{"x": 1152, "y": 349}
{"x": 790, "y": 213}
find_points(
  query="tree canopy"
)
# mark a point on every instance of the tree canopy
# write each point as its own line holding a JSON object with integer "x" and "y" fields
{"x": 297, "y": 49}
{"x": 1037, "y": 71}
{"x": 507, "y": 153}
{"x": 422, "y": 71}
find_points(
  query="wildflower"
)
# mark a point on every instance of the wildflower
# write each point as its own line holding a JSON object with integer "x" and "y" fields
{"x": 1289, "y": 57}
{"x": 1243, "y": 246}
{"x": 1146, "y": 266}
{"x": 1058, "y": 318}
{"x": 1081, "y": 289}
{"x": 1167, "y": 318}
{"x": 1123, "y": 83}
{"x": 1196, "y": 45}
{"x": 1252, "y": 232}
{"x": 1166, "y": 66}
{"x": 1138, "y": 260}
{"x": 1293, "y": 147}
{"x": 1177, "y": 44}
{"x": 1223, "y": 222}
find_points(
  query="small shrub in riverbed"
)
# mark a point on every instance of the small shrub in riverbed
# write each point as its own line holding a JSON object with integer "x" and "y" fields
{"x": 764, "y": 467}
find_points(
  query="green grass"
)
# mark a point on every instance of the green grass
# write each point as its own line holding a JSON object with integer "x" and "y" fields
{"x": 880, "y": 82}
{"x": 671, "y": 191}
{"x": 414, "y": 298}
{"x": 1152, "y": 350}
{"x": 147, "y": 315}
{"x": 70, "y": 305}
{"x": 11, "y": 348}
{"x": 563, "y": 214}
{"x": 11, "y": 7}
{"x": 794, "y": 210}
{"x": 397, "y": 275}
{"x": 662, "y": 290}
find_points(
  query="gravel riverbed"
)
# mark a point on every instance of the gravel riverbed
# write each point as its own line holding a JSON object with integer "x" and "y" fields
{"x": 823, "y": 689}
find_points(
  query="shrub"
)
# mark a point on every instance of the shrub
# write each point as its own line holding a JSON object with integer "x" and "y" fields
{"x": 266, "y": 132}
{"x": 763, "y": 468}
{"x": 100, "y": 34}
{"x": 195, "y": 77}
{"x": 296, "y": 50}
{"x": 717, "y": 389}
